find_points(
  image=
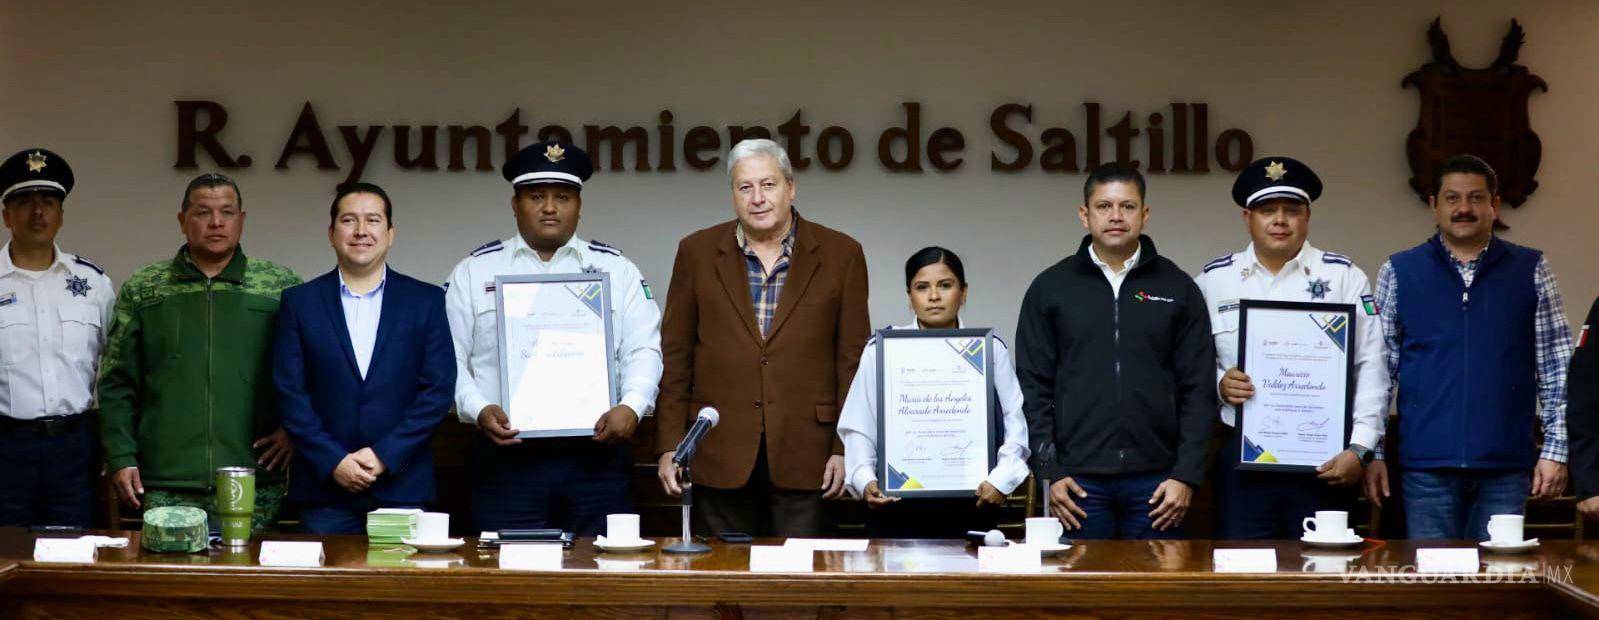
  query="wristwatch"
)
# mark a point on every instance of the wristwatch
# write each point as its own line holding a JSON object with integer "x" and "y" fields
{"x": 1362, "y": 452}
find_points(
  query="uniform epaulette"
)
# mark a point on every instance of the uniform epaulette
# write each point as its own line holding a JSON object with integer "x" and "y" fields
{"x": 85, "y": 262}
{"x": 1218, "y": 263}
{"x": 601, "y": 247}
{"x": 1336, "y": 259}
{"x": 488, "y": 248}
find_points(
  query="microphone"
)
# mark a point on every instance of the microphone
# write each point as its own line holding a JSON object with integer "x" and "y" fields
{"x": 990, "y": 538}
{"x": 703, "y": 424}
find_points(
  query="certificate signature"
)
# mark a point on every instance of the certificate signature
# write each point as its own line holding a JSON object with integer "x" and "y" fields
{"x": 955, "y": 450}
{"x": 1314, "y": 426}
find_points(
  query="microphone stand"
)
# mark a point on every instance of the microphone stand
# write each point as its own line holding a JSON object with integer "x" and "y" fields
{"x": 687, "y": 544}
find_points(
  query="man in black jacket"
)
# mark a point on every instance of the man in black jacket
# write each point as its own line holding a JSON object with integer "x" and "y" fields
{"x": 1116, "y": 363}
{"x": 1582, "y": 417}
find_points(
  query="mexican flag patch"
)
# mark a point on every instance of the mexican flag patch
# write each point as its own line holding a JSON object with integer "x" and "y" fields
{"x": 1369, "y": 304}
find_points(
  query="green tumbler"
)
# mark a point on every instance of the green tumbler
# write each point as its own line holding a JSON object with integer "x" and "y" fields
{"x": 235, "y": 504}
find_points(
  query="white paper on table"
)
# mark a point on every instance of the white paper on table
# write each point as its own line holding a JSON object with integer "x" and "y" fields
{"x": 1245, "y": 560}
{"x": 531, "y": 556}
{"x": 1447, "y": 561}
{"x": 829, "y": 544}
{"x": 73, "y": 550}
{"x": 290, "y": 553}
{"x": 933, "y": 403}
{"x": 1300, "y": 375}
{"x": 781, "y": 559}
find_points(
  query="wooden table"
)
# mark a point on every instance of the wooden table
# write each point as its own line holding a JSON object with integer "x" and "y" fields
{"x": 933, "y": 579}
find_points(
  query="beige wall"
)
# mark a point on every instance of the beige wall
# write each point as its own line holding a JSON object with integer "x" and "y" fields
{"x": 1319, "y": 81}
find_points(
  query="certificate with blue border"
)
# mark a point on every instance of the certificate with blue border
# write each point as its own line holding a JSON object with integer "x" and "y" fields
{"x": 935, "y": 411}
{"x": 556, "y": 369}
{"x": 1300, "y": 358}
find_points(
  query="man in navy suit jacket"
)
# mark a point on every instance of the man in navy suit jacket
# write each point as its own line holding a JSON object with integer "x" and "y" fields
{"x": 365, "y": 371}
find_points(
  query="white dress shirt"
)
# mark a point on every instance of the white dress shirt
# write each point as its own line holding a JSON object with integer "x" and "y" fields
{"x": 469, "y": 303}
{"x": 1315, "y": 276}
{"x": 1116, "y": 277}
{"x": 857, "y": 423}
{"x": 52, "y": 326}
{"x": 361, "y": 315}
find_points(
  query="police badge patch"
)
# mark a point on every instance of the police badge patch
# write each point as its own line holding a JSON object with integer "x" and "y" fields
{"x": 1319, "y": 289}
{"x": 78, "y": 286}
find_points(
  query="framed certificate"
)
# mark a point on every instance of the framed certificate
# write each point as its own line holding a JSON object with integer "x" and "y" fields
{"x": 935, "y": 404}
{"x": 556, "y": 376}
{"x": 1300, "y": 358}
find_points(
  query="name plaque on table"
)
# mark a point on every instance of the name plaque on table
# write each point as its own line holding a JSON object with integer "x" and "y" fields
{"x": 936, "y": 403}
{"x": 556, "y": 367}
{"x": 1300, "y": 357}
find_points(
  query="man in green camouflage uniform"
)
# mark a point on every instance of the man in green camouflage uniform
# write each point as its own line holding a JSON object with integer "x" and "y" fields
{"x": 185, "y": 383}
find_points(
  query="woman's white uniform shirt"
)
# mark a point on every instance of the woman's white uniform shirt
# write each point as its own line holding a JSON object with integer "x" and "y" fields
{"x": 857, "y": 425}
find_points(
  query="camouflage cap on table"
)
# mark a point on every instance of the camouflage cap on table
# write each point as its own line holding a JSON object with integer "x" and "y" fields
{"x": 175, "y": 528}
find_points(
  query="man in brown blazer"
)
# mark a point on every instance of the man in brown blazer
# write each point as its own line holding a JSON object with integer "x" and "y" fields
{"x": 765, "y": 320}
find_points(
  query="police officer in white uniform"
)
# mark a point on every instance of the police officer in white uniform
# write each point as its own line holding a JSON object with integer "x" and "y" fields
{"x": 566, "y": 483}
{"x": 54, "y": 311}
{"x": 1276, "y": 195}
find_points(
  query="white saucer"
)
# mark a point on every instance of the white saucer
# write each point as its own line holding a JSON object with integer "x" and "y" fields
{"x": 1334, "y": 542}
{"x": 443, "y": 544}
{"x": 1044, "y": 549}
{"x": 1515, "y": 547}
{"x": 622, "y": 546}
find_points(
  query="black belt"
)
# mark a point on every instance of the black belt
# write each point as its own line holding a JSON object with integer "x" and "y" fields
{"x": 49, "y": 427}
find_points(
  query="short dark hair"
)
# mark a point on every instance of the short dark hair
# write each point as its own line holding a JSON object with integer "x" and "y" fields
{"x": 932, "y": 255}
{"x": 1465, "y": 163}
{"x": 1113, "y": 172}
{"x": 207, "y": 181}
{"x": 360, "y": 187}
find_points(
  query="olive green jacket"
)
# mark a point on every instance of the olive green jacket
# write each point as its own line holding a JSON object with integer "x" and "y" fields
{"x": 185, "y": 380}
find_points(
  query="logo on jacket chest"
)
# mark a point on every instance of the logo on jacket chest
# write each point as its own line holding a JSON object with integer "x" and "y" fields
{"x": 1142, "y": 297}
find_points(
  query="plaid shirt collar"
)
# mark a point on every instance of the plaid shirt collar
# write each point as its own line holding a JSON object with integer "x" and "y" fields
{"x": 1471, "y": 264}
{"x": 766, "y": 287}
{"x": 788, "y": 240}
{"x": 1467, "y": 269}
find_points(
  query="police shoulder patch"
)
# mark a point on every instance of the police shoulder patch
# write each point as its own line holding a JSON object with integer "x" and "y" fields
{"x": 1218, "y": 263}
{"x": 488, "y": 248}
{"x": 601, "y": 247}
{"x": 85, "y": 262}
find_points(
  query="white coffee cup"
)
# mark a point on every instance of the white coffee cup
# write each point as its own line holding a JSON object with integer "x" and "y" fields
{"x": 1506, "y": 529}
{"x": 1329, "y": 525}
{"x": 1044, "y": 531}
{"x": 621, "y": 528}
{"x": 433, "y": 526}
